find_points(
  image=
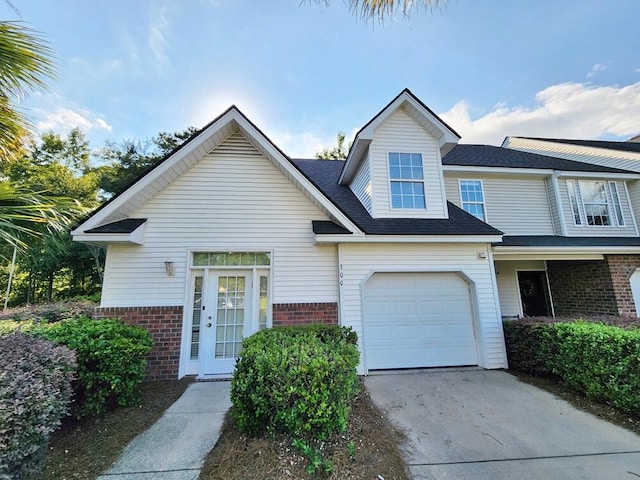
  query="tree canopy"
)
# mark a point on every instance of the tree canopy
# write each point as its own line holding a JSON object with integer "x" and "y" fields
{"x": 337, "y": 152}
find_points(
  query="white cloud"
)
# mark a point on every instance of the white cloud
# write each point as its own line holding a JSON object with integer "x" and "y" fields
{"x": 63, "y": 119}
{"x": 567, "y": 110}
{"x": 598, "y": 67}
{"x": 157, "y": 35}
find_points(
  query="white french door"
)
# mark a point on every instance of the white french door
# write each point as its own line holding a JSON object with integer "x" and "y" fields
{"x": 235, "y": 305}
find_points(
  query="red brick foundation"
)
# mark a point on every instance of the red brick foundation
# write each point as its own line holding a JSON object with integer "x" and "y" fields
{"x": 581, "y": 288}
{"x": 621, "y": 267}
{"x": 593, "y": 287}
{"x": 165, "y": 326}
{"x": 303, "y": 313}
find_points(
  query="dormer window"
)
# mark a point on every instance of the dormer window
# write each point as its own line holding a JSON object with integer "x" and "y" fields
{"x": 406, "y": 178}
{"x": 595, "y": 203}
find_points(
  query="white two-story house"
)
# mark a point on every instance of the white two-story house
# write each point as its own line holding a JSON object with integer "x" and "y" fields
{"x": 419, "y": 244}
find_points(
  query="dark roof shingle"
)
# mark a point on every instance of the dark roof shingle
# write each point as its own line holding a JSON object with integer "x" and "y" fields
{"x": 490, "y": 156}
{"x": 621, "y": 146}
{"x": 127, "y": 225}
{"x": 324, "y": 175}
{"x": 558, "y": 241}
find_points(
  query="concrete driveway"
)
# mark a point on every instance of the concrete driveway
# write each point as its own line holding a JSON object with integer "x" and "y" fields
{"x": 479, "y": 424}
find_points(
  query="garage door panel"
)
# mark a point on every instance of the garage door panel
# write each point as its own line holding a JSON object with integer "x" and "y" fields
{"x": 418, "y": 320}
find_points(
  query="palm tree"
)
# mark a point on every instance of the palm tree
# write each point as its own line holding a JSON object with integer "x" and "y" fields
{"x": 380, "y": 9}
{"x": 25, "y": 64}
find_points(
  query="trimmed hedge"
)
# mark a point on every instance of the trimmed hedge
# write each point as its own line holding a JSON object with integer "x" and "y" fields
{"x": 112, "y": 359}
{"x": 295, "y": 380}
{"x": 35, "y": 390}
{"x": 601, "y": 361}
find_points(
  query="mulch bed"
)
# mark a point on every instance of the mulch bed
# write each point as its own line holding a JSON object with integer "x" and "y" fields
{"x": 81, "y": 450}
{"x": 374, "y": 452}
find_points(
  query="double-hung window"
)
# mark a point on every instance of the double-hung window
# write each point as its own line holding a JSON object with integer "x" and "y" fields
{"x": 472, "y": 198}
{"x": 406, "y": 179}
{"x": 595, "y": 203}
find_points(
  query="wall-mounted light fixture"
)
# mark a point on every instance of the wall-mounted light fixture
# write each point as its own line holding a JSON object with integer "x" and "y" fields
{"x": 169, "y": 267}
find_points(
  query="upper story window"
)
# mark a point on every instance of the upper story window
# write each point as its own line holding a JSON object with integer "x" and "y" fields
{"x": 594, "y": 202}
{"x": 407, "y": 180}
{"x": 472, "y": 198}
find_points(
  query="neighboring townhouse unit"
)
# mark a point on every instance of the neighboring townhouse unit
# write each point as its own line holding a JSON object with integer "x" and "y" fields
{"x": 420, "y": 244}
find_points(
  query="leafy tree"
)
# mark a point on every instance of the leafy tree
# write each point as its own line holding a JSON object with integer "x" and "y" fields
{"x": 52, "y": 263}
{"x": 128, "y": 160}
{"x": 338, "y": 152}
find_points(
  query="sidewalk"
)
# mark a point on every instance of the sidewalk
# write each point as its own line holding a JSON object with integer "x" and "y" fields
{"x": 175, "y": 446}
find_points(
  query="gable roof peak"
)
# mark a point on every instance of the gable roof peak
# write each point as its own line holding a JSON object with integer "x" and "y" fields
{"x": 445, "y": 136}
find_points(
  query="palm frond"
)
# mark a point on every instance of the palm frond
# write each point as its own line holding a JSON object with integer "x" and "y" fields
{"x": 25, "y": 60}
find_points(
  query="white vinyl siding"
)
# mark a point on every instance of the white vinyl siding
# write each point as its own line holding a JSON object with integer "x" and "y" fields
{"x": 508, "y": 289}
{"x": 358, "y": 261}
{"x": 553, "y": 206}
{"x": 234, "y": 199}
{"x": 400, "y": 133}
{"x": 584, "y": 229}
{"x": 514, "y": 205}
{"x": 634, "y": 197}
{"x": 361, "y": 185}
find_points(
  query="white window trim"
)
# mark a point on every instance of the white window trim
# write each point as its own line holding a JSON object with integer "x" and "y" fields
{"x": 616, "y": 201}
{"x": 484, "y": 197}
{"x": 578, "y": 202}
{"x": 613, "y": 216}
{"x": 423, "y": 181}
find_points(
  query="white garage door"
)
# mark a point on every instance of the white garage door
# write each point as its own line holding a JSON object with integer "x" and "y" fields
{"x": 416, "y": 320}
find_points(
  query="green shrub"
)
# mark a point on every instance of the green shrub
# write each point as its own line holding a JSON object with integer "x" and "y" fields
{"x": 10, "y": 326}
{"x": 601, "y": 361}
{"x": 35, "y": 390}
{"x": 295, "y": 380}
{"x": 530, "y": 346}
{"x": 111, "y": 356}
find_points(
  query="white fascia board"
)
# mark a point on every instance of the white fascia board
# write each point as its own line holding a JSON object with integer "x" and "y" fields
{"x": 320, "y": 238}
{"x": 498, "y": 170}
{"x": 598, "y": 175}
{"x": 277, "y": 156}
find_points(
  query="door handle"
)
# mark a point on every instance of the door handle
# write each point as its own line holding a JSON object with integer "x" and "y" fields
{"x": 208, "y": 325}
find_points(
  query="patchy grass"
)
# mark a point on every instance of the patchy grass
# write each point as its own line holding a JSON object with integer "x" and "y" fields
{"x": 368, "y": 448}
{"x": 83, "y": 449}
{"x": 581, "y": 402}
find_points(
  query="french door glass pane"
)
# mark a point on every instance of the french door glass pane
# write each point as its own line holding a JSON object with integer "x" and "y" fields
{"x": 230, "y": 316}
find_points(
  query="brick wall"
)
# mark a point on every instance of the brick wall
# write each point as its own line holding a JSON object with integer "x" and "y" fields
{"x": 301, "y": 313}
{"x": 621, "y": 268}
{"x": 581, "y": 287}
{"x": 165, "y": 326}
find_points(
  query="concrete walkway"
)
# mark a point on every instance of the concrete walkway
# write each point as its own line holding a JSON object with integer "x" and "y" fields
{"x": 176, "y": 445}
{"x": 487, "y": 425}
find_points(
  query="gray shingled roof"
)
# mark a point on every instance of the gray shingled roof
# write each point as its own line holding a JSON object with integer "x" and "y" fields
{"x": 121, "y": 226}
{"x": 490, "y": 156}
{"x": 622, "y": 146}
{"x": 324, "y": 175}
{"x": 557, "y": 241}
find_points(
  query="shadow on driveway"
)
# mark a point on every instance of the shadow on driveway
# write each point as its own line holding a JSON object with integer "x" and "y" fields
{"x": 481, "y": 424}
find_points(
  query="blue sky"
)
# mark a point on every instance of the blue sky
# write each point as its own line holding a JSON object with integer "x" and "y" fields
{"x": 303, "y": 72}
